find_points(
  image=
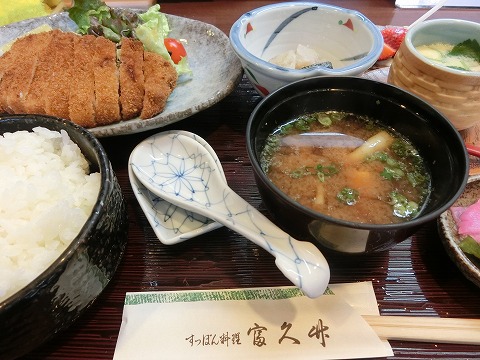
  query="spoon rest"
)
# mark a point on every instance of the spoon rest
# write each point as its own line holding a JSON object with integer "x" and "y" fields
{"x": 172, "y": 224}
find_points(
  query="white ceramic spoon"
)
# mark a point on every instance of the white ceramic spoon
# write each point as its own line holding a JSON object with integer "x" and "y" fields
{"x": 180, "y": 170}
{"x": 171, "y": 223}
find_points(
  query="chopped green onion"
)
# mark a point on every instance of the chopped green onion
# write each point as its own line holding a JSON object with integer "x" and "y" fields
{"x": 321, "y": 171}
{"x": 402, "y": 207}
{"x": 325, "y": 120}
{"x": 392, "y": 173}
{"x": 348, "y": 196}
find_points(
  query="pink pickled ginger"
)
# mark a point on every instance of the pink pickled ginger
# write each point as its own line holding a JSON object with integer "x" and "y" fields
{"x": 468, "y": 220}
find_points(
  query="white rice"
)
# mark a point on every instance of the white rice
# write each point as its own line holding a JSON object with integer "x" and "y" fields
{"x": 46, "y": 196}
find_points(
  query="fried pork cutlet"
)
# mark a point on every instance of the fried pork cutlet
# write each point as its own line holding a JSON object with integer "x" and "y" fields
{"x": 81, "y": 78}
{"x": 82, "y": 91}
{"x": 131, "y": 78}
{"x": 20, "y": 77}
{"x": 35, "y": 100}
{"x": 107, "y": 108}
{"x": 13, "y": 65}
{"x": 160, "y": 80}
{"x": 56, "y": 98}
{"x": 5, "y": 62}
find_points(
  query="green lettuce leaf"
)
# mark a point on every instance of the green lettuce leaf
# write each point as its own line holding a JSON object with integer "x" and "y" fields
{"x": 151, "y": 27}
{"x": 152, "y": 31}
{"x": 84, "y": 10}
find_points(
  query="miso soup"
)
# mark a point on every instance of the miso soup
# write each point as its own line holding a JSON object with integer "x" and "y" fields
{"x": 347, "y": 167}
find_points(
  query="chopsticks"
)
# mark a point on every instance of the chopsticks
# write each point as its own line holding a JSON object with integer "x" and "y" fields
{"x": 426, "y": 329}
{"x": 473, "y": 150}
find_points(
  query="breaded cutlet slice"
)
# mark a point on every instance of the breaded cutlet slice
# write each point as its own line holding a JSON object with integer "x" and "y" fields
{"x": 131, "y": 78}
{"x": 107, "y": 107}
{"x": 8, "y": 63}
{"x": 6, "y": 60}
{"x": 35, "y": 100}
{"x": 82, "y": 85}
{"x": 57, "y": 94}
{"x": 21, "y": 76}
{"x": 160, "y": 80}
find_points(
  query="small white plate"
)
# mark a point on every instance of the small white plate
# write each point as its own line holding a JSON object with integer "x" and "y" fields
{"x": 171, "y": 223}
{"x": 215, "y": 67}
{"x": 468, "y": 265}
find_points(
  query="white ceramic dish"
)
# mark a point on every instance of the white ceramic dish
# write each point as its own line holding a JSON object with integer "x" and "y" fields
{"x": 170, "y": 223}
{"x": 468, "y": 265}
{"x": 216, "y": 70}
{"x": 343, "y": 37}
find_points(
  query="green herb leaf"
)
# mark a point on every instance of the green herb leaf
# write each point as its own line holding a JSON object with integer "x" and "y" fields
{"x": 468, "y": 48}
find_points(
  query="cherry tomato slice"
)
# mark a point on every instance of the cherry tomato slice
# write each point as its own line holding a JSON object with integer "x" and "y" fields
{"x": 175, "y": 49}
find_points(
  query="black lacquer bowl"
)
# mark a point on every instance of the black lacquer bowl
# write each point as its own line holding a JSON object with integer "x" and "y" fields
{"x": 59, "y": 295}
{"x": 438, "y": 142}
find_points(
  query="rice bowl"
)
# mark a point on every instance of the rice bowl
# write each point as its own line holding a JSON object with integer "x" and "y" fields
{"x": 63, "y": 291}
{"x": 47, "y": 194}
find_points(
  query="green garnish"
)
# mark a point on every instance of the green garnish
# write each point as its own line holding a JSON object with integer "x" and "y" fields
{"x": 302, "y": 124}
{"x": 396, "y": 170}
{"x": 301, "y": 172}
{"x": 390, "y": 173}
{"x": 321, "y": 171}
{"x": 96, "y": 17}
{"x": 325, "y": 120}
{"x": 402, "y": 207}
{"x": 468, "y": 48}
{"x": 327, "y": 170}
{"x": 348, "y": 196}
{"x": 416, "y": 178}
{"x": 470, "y": 246}
{"x": 271, "y": 146}
{"x": 286, "y": 129}
{"x": 151, "y": 27}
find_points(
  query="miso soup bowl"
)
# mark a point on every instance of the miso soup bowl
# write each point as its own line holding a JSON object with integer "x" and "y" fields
{"x": 453, "y": 92}
{"x": 436, "y": 139}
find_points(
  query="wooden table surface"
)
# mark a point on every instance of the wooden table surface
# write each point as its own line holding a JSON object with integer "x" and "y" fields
{"x": 415, "y": 278}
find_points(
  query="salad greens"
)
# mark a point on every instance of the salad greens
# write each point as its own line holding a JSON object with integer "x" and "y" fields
{"x": 151, "y": 28}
